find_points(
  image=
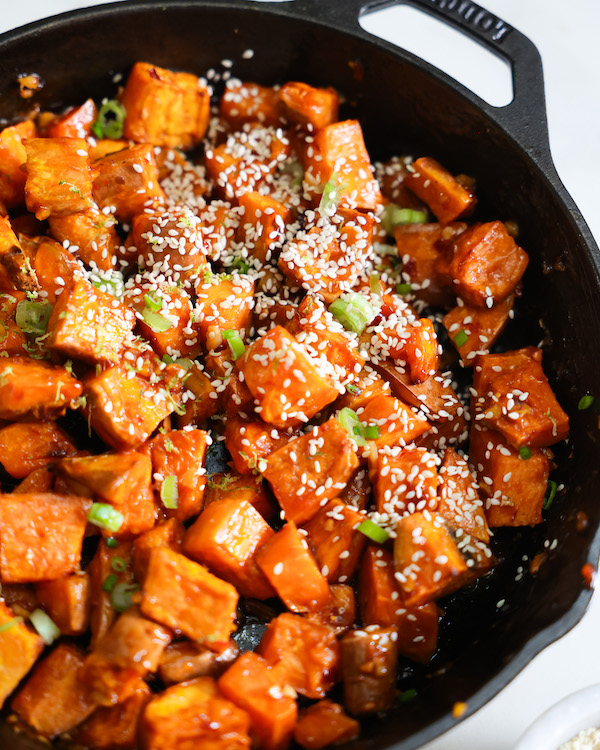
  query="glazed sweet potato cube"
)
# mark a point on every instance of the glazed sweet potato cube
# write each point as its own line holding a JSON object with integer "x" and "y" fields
{"x": 339, "y": 154}
{"x": 26, "y": 446}
{"x": 32, "y": 388}
{"x": 127, "y": 180}
{"x": 364, "y": 387}
{"x": 110, "y": 566}
{"x": 447, "y": 198}
{"x": 40, "y": 536}
{"x": 250, "y": 488}
{"x": 129, "y": 650}
{"x": 312, "y": 469}
{"x": 381, "y": 603}
{"x": 17, "y": 272}
{"x": 19, "y": 650}
{"x": 241, "y": 164}
{"x": 398, "y": 423}
{"x": 405, "y": 481}
{"x": 186, "y": 660}
{"x": 12, "y": 338}
{"x": 392, "y": 176}
{"x": 245, "y": 102}
{"x": 445, "y": 562}
{"x": 412, "y": 346}
{"x": 284, "y": 380}
{"x": 515, "y": 399}
{"x": 292, "y": 571}
{"x": 235, "y": 397}
{"x": 93, "y": 233}
{"x": 253, "y": 686}
{"x": 486, "y": 264}
{"x": 339, "y": 613}
{"x": 206, "y": 400}
{"x": 421, "y": 249}
{"x": 40, "y": 480}
{"x": 219, "y": 226}
{"x": 459, "y": 501}
{"x": 58, "y": 180}
{"x": 169, "y": 533}
{"x": 12, "y": 156}
{"x": 303, "y": 654}
{"x": 165, "y": 108}
{"x": 514, "y": 486}
{"x": 182, "y": 594}
{"x": 250, "y": 442}
{"x": 114, "y": 727}
{"x": 263, "y": 225}
{"x": 323, "y": 724}
{"x": 74, "y": 123}
{"x": 89, "y": 324}
{"x": 193, "y": 714}
{"x": 114, "y": 477}
{"x": 126, "y": 410}
{"x": 223, "y": 303}
{"x": 226, "y": 537}
{"x": 307, "y": 105}
{"x": 106, "y": 146}
{"x": 474, "y": 330}
{"x": 334, "y": 540}
{"x": 53, "y": 700}
{"x": 67, "y": 601}
{"x": 369, "y": 669}
{"x": 180, "y": 454}
{"x": 55, "y": 268}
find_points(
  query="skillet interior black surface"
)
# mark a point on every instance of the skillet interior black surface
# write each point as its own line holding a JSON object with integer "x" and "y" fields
{"x": 405, "y": 107}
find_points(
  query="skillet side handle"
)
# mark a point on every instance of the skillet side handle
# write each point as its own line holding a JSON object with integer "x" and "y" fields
{"x": 525, "y": 117}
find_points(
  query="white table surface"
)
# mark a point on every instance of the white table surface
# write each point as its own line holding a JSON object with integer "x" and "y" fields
{"x": 566, "y": 34}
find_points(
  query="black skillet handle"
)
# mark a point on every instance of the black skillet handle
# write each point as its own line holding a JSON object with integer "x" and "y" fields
{"x": 525, "y": 117}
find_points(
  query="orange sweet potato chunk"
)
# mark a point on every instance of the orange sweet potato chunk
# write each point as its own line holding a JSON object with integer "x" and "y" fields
{"x": 26, "y": 446}
{"x": 323, "y": 724}
{"x": 474, "y": 330}
{"x": 515, "y": 398}
{"x": 226, "y": 537}
{"x": 93, "y": 233}
{"x": 414, "y": 346}
{"x": 223, "y": 303}
{"x": 12, "y": 156}
{"x": 263, "y": 225}
{"x": 459, "y": 501}
{"x": 369, "y": 668}
{"x": 445, "y": 196}
{"x": 284, "y": 380}
{"x": 339, "y": 612}
{"x": 245, "y": 102}
{"x": 398, "y": 423}
{"x": 59, "y": 180}
{"x": 193, "y": 714}
{"x": 250, "y": 488}
{"x": 405, "y": 481}
{"x": 292, "y": 571}
{"x": 67, "y": 601}
{"x": 12, "y": 338}
{"x": 19, "y": 650}
{"x": 303, "y": 654}
{"x": 40, "y": 536}
{"x": 310, "y": 470}
{"x": 102, "y": 612}
{"x": 249, "y": 442}
{"x": 75, "y": 123}
{"x": 182, "y": 594}
{"x": 253, "y": 686}
{"x": 307, "y": 105}
{"x": 165, "y": 108}
{"x": 166, "y": 534}
{"x": 15, "y": 264}
{"x": 53, "y": 700}
{"x": 186, "y": 660}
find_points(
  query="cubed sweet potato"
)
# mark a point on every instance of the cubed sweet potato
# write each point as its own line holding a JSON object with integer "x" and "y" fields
{"x": 12, "y": 338}
{"x": 412, "y": 346}
{"x": 182, "y": 594}
{"x": 53, "y": 700}
{"x": 369, "y": 668}
{"x": 405, "y": 481}
{"x": 169, "y": 533}
{"x": 19, "y": 650}
{"x": 459, "y": 501}
{"x": 307, "y": 105}
{"x": 245, "y": 102}
{"x": 398, "y": 423}
{"x": 109, "y": 567}
{"x": 93, "y": 233}
{"x": 12, "y": 156}
{"x": 205, "y": 401}
{"x": 40, "y": 536}
{"x": 223, "y": 303}
{"x": 311, "y": 469}
{"x": 323, "y": 724}
{"x": 250, "y": 441}
{"x": 263, "y": 225}
{"x": 248, "y": 487}
{"x": 16, "y": 271}
{"x": 26, "y": 446}
{"x": 186, "y": 660}
{"x": 67, "y": 601}
{"x": 447, "y": 198}
{"x": 165, "y": 108}
{"x": 339, "y": 612}
{"x": 76, "y": 122}
{"x": 55, "y": 268}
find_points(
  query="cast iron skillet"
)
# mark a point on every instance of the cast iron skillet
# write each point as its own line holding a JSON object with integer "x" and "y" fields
{"x": 405, "y": 106}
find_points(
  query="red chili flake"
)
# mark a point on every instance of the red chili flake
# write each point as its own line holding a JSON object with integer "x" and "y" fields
{"x": 588, "y": 573}
{"x": 581, "y": 521}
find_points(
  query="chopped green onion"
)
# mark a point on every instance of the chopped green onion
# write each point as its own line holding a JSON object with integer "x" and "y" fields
{"x": 375, "y": 283}
{"x": 105, "y": 516}
{"x": 552, "y": 486}
{"x": 354, "y": 389}
{"x": 44, "y": 626}
{"x": 32, "y": 317}
{"x": 393, "y": 215}
{"x": 294, "y": 168}
{"x": 403, "y": 288}
{"x": 236, "y": 345}
{"x": 167, "y": 359}
{"x": 461, "y": 338}
{"x": 331, "y": 196}
{"x": 121, "y": 597}
{"x": 584, "y": 402}
{"x": 168, "y": 492}
{"x": 118, "y": 564}
{"x": 353, "y": 310}
{"x": 524, "y": 452}
{"x": 111, "y": 542}
{"x": 109, "y": 124}
{"x": 381, "y": 248}
{"x": 372, "y": 432}
{"x": 114, "y": 286}
{"x": 241, "y": 265}
{"x": 373, "y": 531}
{"x": 158, "y": 323}
{"x": 183, "y": 362}
{"x": 352, "y": 424}
{"x": 10, "y": 624}
{"x": 154, "y": 304}
{"x": 110, "y": 582}
{"x": 408, "y": 695}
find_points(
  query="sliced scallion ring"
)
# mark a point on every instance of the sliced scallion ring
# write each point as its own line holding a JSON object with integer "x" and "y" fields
{"x": 121, "y": 597}
{"x": 372, "y": 432}
{"x": 524, "y": 452}
{"x": 461, "y": 338}
{"x": 354, "y": 311}
{"x": 153, "y": 302}
{"x": 118, "y": 564}
{"x": 111, "y": 117}
{"x": 110, "y": 582}
{"x": 236, "y": 345}
{"x": 32, "y": 317}
{"x": 351, "y": 423}
{"x": 158, "y": 323}
{"x": 45, "y": 626}
{"x": 394, "y": 215}
{"x": 374, "y": 532}
{"x": 105, "y": 516}
{"x": 169, "y": 493}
